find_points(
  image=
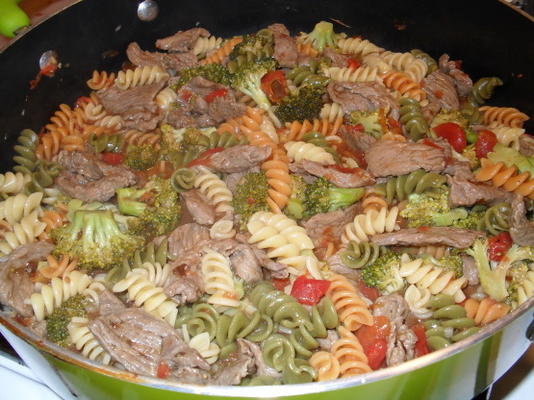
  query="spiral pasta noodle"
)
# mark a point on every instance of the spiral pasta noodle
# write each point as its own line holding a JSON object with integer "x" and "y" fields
{"x": 85, "y": 342}
{"x": 359, "y": 255}
{"x": 373, "y": 201}
{"x": 433, "y": 251}
{"x": 183, "y": 179}
{"x": 298, "y": 151}
{"x": 140, "y": 76}
{"x": 525, "y": 289}
{"x": 166, "y": 98}
{"x": 369, "y": 224}
{"x": 507, "y": 136}
{"x": 352, "y": 310}
{"x": 306, "y": 49}
{"x": 25, "y": 159}
{"x": 411, "y": 117}
{"x": 417, "y": 298}
{"x": 14, "y": 208}
{"x": 145, "y": 293}
{"x": 413, "y": 67}
{"x": 255, "y": 327}
{"x": 222, "y": 229}
{"x": 296, "y": 130}
{"x": 101, "y": 80}
{"x": 211, "y": 186}
{"x": 400, "y": 187}
{"x": 485, "y": 311}
{"x": 424, "y": 274}
{"x": 218, "y": 279}
{"x": 13, "y": 183}
{"x": 52, "y": 219}
{"x": 361, "y": 74}
{"x": 431, "y": 64}
{"x": 54, "y": 268}
{"x": 136, "y": 138}
{"x": 506, "y": 178}
{"x": 483, "y": 90}
{"x": 402, "y": 83}
{"x": 217, "y": 56}
{"x": 350, "y": 355}
{"x": 23, "y": 232}
{"x": 507, "y": 116}
{"x": 357, "y": 46}
{"x": 277, "y": 173}
{"x": 202, "y": 343}
{"x": 204, "y": 45}
{"x": 326, "y": 366}
{"x": 496, "y": 219}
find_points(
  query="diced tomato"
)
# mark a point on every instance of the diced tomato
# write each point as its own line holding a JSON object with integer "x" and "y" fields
{"x": 112, "y": 158}
{"x": 309, "y": 291}
{"x": 423, "y": 229}
{"x": 421, "y": 347}
{"x": 274, "y": 85}
{"x": 485, "y": 142}
{"x": 394, "y": 126}
{"x": 163, "y": 370}
{"x": 370, "y": 292}
{"x": 82, "y": 100}
{"x": 280, "y": 283}
{"x": 498, "y": 246}
{"x": 438, "y": 94}
{"x": 353, "y": 64}
{"x": 376, "y": 353}
{"x": 373, "y": 340}
{"x": 357, "y": 128}
{"x": 216, "y": 93}
{"x": 204, "y": 158}
{"x": 452, "y": 133}
{"x": 186, "y": 95}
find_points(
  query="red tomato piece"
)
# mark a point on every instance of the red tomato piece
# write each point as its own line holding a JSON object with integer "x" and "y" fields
{"x": 353, "y": 64}
{"x": 452, "y": 133}
{"x": 309, "y": 291}
{"x": 376, "y": 353}
{"x": 112, "y": 158}
{"x": 204, "y": 158}
{"x": 498, "y": 246}
{"x": 486, "y": 140}
{"x": 216, "y": 93}
{"x": 421, "y": 347}
{"x": 280, "y": 283}
{"x": 163, "y": 370}
{"x": 370, "y": 292}
{"x": 186, "y": 95}
{"x": 274, "y": 85}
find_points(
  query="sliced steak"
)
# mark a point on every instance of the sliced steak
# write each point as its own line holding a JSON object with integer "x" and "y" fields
{"x": 426, "y": 236}
{"x": 262, "y": 369}
{"x": 359, "y": 178}
{"x": 245, "y": 264}
{"x": 363, "y": 96}
{"x": 16, "y": 286}
{"x": 387, "y": 158}
{"x": 85, "y": 188}
{"x": 108, "y": 303}
{"x": 465, "y": 193}
{"x": 278, "y": 28}
{"x": 463, "y": 82}
{"x": 285, "y": 49}
{"x": 522, "y": 230}
{"x": 187, "y": 238}
{"x": 225, "y": 107}
{"x": 327, "y": 225}
{"x": 185, "y": 284}
{"x": 199, "y": 208}
{"x": 356, "y": 140}
{"x": 336, "y": 265}
{"x": 181, "y": 41}
{"x": 459, "y": 169}
{"x": 440, "y": 89}
{"x": 336, "y": 59}
{"x": 526, "y": 145}
{"x": 239, "y": 158}
{"x": 469, "y": 269}
{"x": 173, "y": 61}
{"x": 180, "y": 117}
{"x": 232, "y": 180}
{"x": 276, "y": 269}
{"x": 235, "y": 367}
{"x": 140, "y": 342}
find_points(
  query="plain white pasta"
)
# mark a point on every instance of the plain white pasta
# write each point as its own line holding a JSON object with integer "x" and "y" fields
{"x": 166, "y": 98}
{"x": 93, "y": 112}
{"x": 140, "y": 76}
{"x": 299, "y": 151}
{"x": 218, "y": 279}
{"x": 51, "y": 196}
{"x": 426, "y": 275}
{"x": 14, "y": 208}
{"x": 144, "y": 293}
{"x": 59, "y": 290}
{"x": 267, "y": 127}
{"x": 361, "y": 74}
{"x": 201, "y": 343}
{"x": 506, "y": 135}
{"x": 376, "y": 61}
{"x": 157, "y": 273}
{"x": 222, "y": 229}
{"x": 11, "y": 183}
{"x": 211, "y": 186}
{"x": 204, "y": 45}
{"x": 85, "y": 342}
{"x": 357, "y": 46}
{"x": 332, "y": 112}
{"x": 369, "y": 224}
{"x": 22, "y": 232}
{"x": 417, "y": 298}
{"x": 415, "y": 68}
{"x": 114, "y": 122}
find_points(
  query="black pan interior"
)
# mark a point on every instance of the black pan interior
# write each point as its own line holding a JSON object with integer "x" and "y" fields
{"x": 490, "y": 38}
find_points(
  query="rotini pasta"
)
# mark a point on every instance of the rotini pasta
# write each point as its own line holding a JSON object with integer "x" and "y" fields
{"x": 14, "y": 208}
{"x": 349, "y": 353}
{"x": 507, "y": 136}
{"x": 417, "y": 298}
{"x": 217, "y": 56}
{"x": 85, "y": 342}
{"x": 361, "y": 74}
{"x": 204, "y": 45}
{"x": 54, "y": 268}
{"x": 211, "y": 186}
{"x": 352, "y": 310}
{"x": 413, "y": 67}
{"x": 357, "y": 46}
{"x": 507, "y": 116}
{"x": 506, "y": 178}
{"x": 13, "y": 183}
{"x": 298, "y": 151}
{"x": 402, "y": 83}
{"x": 485, "y": 311}
{"x": 400, "y": 187}
{"x": 218, "y": 279}
{"x": 222, "y": 229}
{"x": 369, "y": 224}
{"x": 140, "y": 76}
{"x": 101, "y": 80}
{"x": 23, "y": 232}
{"x": 166, "y": 98}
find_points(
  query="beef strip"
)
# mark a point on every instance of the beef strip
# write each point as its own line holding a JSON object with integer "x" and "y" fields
{"x": 140, "y": 341}
{"x": 327, "y": 342}
{"x": 387, "y": 157}
{"x": 262, "y": 369}
{"x": 454, "y": 237}
{"x": 362, "y": 96}
{"x": 356, "y": 140}
{"x": 181, "y": 41}
{"x": 239, "y": 158}
{"x": 440, "y": 89}
{"x": 336, "y": 265}
{"x": 460, "y": 169}
{"x": 470, "y": 270}
{"x": 401, "y": 340}
{"x": 16, "y": 286}
{"x": 526, "y": 145}
{"x": 173, "y": 61}
{"x": 285, "y": 47}
{"x": 276, "y": 269}
{"x": 87, "y": 189}
{"x": 199, "y": 208}
{"x": 465, "y": 193}
{"x": 180, "y": 117}
{"x": 188, "y": 238}
{"x": 522, "y": 230}
{"x": 235, "y": 367}
{"x": 245, "y": 264}
{"x": 329, "y": 224}
{"x": 108, "y": 303}
{"x": 462, "y": 81}
{"x": 232, "y": 180}
{"x": 336, "y": 59}
{"x": 360, "y": 177}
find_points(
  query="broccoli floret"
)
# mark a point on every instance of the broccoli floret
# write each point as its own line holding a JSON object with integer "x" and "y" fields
{"x": 384, "y": 273}
{"x": 322, "y": 36}
{"x": 57, "y": 323}
{"x": 251, "y": 196}
{"x": 213, "y": 72}
{"x": 306, "y": 104}
{"x": 518, "y": 280}
{"x": 510, "y": 156}
{"x": 450, "y": 217}
{"x": 248, "y": 80}
{"x": 452, "y": 262}
{"x": 371, "y": 121}
{"x": 322, "y": 196}
{"x": 449, "y": 116}
{"x": 141, "y": 157}
{"x": 493, "y": 280}
{"x": 94, "y": 238}
{"x": 156, "y": 208}
{"x": 295, "y": 204}
{"x": 470, "y": 155}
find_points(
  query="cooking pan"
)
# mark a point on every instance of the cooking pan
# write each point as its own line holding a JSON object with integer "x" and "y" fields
{"x": 490, "y": 38}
